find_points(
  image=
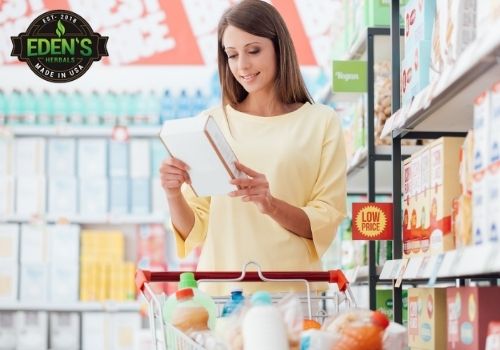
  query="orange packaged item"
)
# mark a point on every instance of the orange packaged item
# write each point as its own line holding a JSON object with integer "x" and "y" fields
{"x": 188, "y": 315}
{"x": 310, "y": 324}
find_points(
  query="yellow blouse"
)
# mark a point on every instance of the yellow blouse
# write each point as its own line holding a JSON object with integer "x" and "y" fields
{"x": 303, "y": 157}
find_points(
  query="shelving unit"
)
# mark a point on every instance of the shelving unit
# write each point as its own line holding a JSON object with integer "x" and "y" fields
{"x": 78, "y": 131}
{"x": 444, "y": 108}
{"x": 111, "y": 306}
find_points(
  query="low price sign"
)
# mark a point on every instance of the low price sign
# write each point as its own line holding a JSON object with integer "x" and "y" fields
{"x": 372, "y": 221}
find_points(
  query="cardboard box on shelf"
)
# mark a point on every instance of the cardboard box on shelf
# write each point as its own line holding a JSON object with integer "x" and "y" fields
{"x": 34, "y": 244}
{"x": 64, "y": 330}
{"x": 62, "y": 157}
{"x": 8, "y": 323}
{"x": 93, "y": 196}
{"x": 487, "y": 14}
{"x": 6, "y": 196}
{"x": 493, "y": 202}
{"x": 118, "y": 159}
{"x": 469, "y": 311}
{"x": 482, "y": 119}
{"x": 415, "y": 70}
{"x": 480, "y": 207}
{"x": 63, "y": 282}
{"x": 411, "y": 226}
{"x": 427, "y": 318}
{"x": 92, "y": 158}
{"x": 30, "y": 195}
{"x": 140, "y": 196}
{"x": 9, "y": 273}
{"x": 6, "y": 159}
{"x": 64, "y": 244}
{"x": 62, "y": 196}
{"x": 385, "y": 303}
{"x": 419, "y": 21}
{"x": 119, "y": 195}
{"x": 34, "y": 283}
{"x": 140, "y": 158}
{"x": 9, "y": 243}
{"x": 30, "y": 156}
{"x": 32, "y": 329}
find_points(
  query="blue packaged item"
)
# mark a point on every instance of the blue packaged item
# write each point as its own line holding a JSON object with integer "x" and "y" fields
{"x": 167, "y": 107}
{"x": 233, "y": 304}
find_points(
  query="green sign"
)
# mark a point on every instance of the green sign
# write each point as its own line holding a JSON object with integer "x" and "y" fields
{"x": 349, "y": 76}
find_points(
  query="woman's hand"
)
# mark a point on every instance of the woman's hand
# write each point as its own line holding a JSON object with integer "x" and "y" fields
{"x": 254, "y": 189}
{"x": 173, "y": 173}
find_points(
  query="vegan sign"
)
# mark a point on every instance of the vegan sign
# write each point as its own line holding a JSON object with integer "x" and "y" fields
{"x": 59, "y": 46}
{"x": 372, "y": 221}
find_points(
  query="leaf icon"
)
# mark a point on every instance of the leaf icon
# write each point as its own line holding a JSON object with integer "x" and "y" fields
{"x": 60, "y": 29}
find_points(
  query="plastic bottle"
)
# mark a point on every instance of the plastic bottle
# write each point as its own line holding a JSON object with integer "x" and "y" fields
{"x": 167, "y": 107}
{"x": 233, "y": 304}
{"x": 189, "y": 315}
{"x": 187, "y": 281}
{"x": 263, "y": 326}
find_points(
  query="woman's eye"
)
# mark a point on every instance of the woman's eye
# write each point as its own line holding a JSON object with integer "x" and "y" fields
{"x": 254, "y": 52}
{"x": 231, "y": 56}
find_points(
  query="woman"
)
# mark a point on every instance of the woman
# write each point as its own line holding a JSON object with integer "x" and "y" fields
{"x": 287, "y": 212}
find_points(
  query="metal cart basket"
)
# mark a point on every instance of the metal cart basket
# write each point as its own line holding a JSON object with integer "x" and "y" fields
{"x": 167, "y": 337}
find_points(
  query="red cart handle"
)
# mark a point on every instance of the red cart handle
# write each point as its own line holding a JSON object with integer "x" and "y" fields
{"x": 333, "y": 276}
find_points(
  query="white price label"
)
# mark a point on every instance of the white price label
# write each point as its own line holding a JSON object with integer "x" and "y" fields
{"x": 413, "y": 267}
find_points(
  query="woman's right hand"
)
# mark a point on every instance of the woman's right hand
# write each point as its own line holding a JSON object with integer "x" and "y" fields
{"x": 173, "y": 173}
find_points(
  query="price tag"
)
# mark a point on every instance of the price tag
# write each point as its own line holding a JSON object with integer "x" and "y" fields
{"x": 435, "y": 269}
{"x": 386, "y": 130}
{"x": 386, "y": 273}
{"x": 401, "y": 273}
{"x": 413, "y": 267}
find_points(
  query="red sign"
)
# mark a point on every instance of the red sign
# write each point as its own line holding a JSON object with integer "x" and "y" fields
{"x": 372, "y": 221}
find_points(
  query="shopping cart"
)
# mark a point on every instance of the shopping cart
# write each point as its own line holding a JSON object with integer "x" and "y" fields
{"x": 167, "y": 337}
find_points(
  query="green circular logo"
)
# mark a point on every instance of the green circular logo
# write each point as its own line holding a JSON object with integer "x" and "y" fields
{"x": 59, "y": 46}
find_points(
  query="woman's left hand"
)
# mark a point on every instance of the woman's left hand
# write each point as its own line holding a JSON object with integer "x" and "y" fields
{"x": 254, "y": 189}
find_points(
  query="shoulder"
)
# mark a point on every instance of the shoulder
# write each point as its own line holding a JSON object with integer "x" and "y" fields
{"x": 324, "y": 114}
{"x": 214, "y": 111}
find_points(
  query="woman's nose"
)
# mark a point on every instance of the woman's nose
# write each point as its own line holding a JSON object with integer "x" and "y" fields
{"x": 243, "y": 62}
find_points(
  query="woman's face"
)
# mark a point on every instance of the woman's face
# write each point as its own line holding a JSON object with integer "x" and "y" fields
{"x": 252, "y": 59}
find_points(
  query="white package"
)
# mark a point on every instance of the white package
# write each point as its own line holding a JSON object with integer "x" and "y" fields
{"x": 118, "y": 159}
{"x": 92, "y": 158}
{"x": 119, "y": 195}
{"x": 64, "y": 244}
{"x": 32, "y": 329}
{"x": 34, "y": 283}
{"x": 95, "y": 331}
{"x": 9, "y": 243}
{"x": 8, "y": 323}
{"x": 494, "y": 124}
{"x": 493, "y": 203}
{"x": 6, "y": 159}
{"x": 140, "y": 158}
{"x": 479, "y": 209}
{"x": 6, "y": 196}
{"x": 64, "y": 331}
{"x": 30, "y": 156}
{"x": 63, "y": 282}
{"x": 482, "y": 111}
{"x": 125, "y": 326}
{"x": 140, "y": 196}
{"x": 62, "y": 157}
{"x": 62, "y": 196}
{"x": 94, "y": 196}
{"x": 30, "y": 195}
{"x": 8, "y": 282}
{"x": 34, "y": 244}
{"x": 160, "y": 205}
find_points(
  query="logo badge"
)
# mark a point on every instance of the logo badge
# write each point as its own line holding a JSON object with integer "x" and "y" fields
{"x": 59, "y": 46}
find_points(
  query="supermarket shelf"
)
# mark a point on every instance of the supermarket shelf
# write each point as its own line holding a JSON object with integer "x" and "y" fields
{"x": 109, "y": 306}
{"x": 447, "y": 104}
{"x": 468, "y": 262}
{"x": 357, "y": 170}
{"x": 110, "y": 220}
{"x": 72, "y": 131}
{"x": 359, "y": 274}
{"x": 358, "y": 48}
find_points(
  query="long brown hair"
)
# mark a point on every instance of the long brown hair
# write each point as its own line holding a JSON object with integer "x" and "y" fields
{"x": 261, "y": 19}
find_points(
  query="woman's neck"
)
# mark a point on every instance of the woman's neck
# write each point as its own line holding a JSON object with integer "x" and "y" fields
{"x": 263, "y": 104}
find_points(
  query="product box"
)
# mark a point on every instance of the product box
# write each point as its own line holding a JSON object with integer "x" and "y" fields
{"x": 119, "y": 195}
{"x": 445, "y": 186}
{"x": 34, "y": 244}
{"x": 494, "y": 135}
{"x": 62, "y": 196}
{"x": 482, "y": 118}
{"x": 93, "y": 196}
{"x": 118, "y": 159}
{"x": 480, "y": 196}
{"x": 469, "y": 311}
{"x": 125, "y": 327}
{"x": 6, "y": 196}
{"x": 160, "y": 205}
{"x": 92, "y": 158}
{"x": 6, "y": 159}
{"x": 140, "y": 196}
{"x": 8, "y": 282}
{"x": 385, "y": 304}
{"x": 64, "y": 244}
{"x": 62, "y": 157}
{"x": 411, "y": 235}
{"x": 493, "y": 202}
{"x": 9, "y": 243}
{"x": 415, "y": 70}
{"x": 419, "y": 21}
{"x": 34, "y": 283}
{"x": 140, "y": 162}
{"x": 32, "y": 329}
{"x": 30, "y": 195}
{"x": 427, "y": 318}
{"x": 64, "y": 330}
{"x": 487, "y": 14}
{"x": 96, "y": 330}
{"x": 63, "y": 282}
{"x": 8, "y": 323}
{"x": 30, "y": 156}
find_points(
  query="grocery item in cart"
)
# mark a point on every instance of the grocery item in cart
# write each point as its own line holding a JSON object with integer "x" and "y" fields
{"x": 187, "y": 280}
{"x": 188, "y": 315}
{"x": 263, "y": 326}
{"x": 236, "y": 301}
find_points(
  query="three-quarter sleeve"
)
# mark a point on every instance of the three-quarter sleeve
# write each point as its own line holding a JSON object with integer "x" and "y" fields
{"x": 196, "y": 237}
{"x": 327, "y": 205}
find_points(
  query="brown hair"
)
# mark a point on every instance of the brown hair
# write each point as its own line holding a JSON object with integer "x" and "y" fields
{"x": 261, "y": 19}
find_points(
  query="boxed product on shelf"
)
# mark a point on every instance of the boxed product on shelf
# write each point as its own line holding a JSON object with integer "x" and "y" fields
{"x": 9, "y": 243}
{"x": 469, "y": 311}
{"x": 118, "y": 159}
{"x": 8, "y": 322}
{"x": 140, "y": 195}
{"x": 93, "y": 196}
{"x": 34, "y": 244}
{"x": 462, "y": 220}
{"x": 30, "y": 195}
{"x": 62, "y": 157}
{"x": 119, "y": 195}
{"x": 140, "y": 163}
{"x": 415, "y": 70}
{"x": 494, "y": 135}
{"x": 385, "y": 303}
{"x": 159, "y": 205}
{"x": 487, "y": 14}
{"x": 92, "y": 158}
{"x": 30, "y": 156}
{"x": 480, "y": 208}
{"x": 126, "y": 326}
{"x": 6, "y": 157}
{"x": 34, "y": 282}
{"x": 158, "y": 155}
{"x": 413, "y": 241}
{"x": 9, "y": 273}
{"x": 63, "y": 282}
{"x": 116, "y": 331}
{"x": 482, "y": 119}
{"x": 64, "y": 244}
{"x": 64, "y": 330}
{"x": 427, "y": 318}
{"x": 32, "y": 329}
{"x": 7, "y": 196}
{"x": 62, "y": 196}
{"x": 383, "y": 93}
{"x": 493, "y": 202}
{"x": 419, "y": 21}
